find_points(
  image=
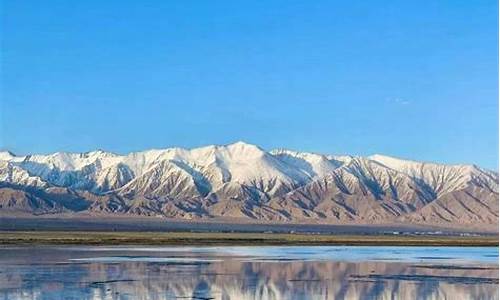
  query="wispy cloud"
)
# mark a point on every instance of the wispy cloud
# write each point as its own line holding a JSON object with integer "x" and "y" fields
{"x": 398, "y": 100}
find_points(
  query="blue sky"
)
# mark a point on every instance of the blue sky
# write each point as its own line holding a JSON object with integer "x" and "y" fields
{"x": 413, "y": 79}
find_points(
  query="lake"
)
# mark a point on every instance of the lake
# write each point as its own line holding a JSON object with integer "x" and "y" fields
{"x": 263, "y": 272}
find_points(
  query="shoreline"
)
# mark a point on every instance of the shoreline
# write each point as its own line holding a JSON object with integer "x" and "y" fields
{"x": 103, "y": 223}
{"x": 9, "y": 238}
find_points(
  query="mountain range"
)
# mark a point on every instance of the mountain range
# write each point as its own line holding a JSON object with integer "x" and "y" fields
{"x": 244, "y": 182}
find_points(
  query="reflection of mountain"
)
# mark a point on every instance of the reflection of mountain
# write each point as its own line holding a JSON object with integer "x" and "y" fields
{"x": 246, "y": 182}
{"x": 233, "y": 279}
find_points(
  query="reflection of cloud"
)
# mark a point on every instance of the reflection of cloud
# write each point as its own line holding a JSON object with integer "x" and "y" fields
{"x": 397, "y": 100}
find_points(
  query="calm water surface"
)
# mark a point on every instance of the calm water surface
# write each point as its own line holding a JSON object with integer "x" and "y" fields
{"x": 248, "y": 273}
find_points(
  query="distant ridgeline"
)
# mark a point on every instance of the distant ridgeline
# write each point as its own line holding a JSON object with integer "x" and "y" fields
{"x": 246, "y": 182}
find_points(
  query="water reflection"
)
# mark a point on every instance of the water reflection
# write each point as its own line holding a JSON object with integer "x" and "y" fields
{"x": 244, "y": 273}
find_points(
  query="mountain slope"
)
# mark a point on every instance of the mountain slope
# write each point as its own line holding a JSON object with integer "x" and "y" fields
{"x": 244, "y": 181}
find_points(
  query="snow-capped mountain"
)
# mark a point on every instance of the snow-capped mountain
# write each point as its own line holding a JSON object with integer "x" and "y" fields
{"x": 241, "y": 180}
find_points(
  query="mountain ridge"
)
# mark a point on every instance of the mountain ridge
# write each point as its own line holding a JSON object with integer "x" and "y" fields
{"x": 242, "y": 180}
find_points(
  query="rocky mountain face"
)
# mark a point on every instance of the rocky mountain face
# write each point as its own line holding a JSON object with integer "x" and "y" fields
{"x": 244, "y": 181}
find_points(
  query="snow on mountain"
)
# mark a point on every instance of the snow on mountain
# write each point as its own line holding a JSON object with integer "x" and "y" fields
{"x": 311, "y": 164}
{"x": 167, "y": 178}
{"x": 12, "y": 174}
{"x": 442, "y": 179}
{"x": 6, "y": 155}
{"x": 243, "y": 180}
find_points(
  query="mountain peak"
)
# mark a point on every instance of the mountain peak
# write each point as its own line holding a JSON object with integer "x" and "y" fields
{"x": 398, "y": 163}
{"x": 6, "y": 155}
{"x": 99, "y": 153}
{"x": 393, "y": 162}
{"x": 241, "y": 144}
{"x": 245, "y": 147}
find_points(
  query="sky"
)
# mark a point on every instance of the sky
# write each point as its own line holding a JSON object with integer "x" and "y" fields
{"x": 411, "y": 79}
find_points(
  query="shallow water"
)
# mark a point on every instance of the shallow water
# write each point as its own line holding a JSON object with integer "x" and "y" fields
{"x": 248, "y": 272}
